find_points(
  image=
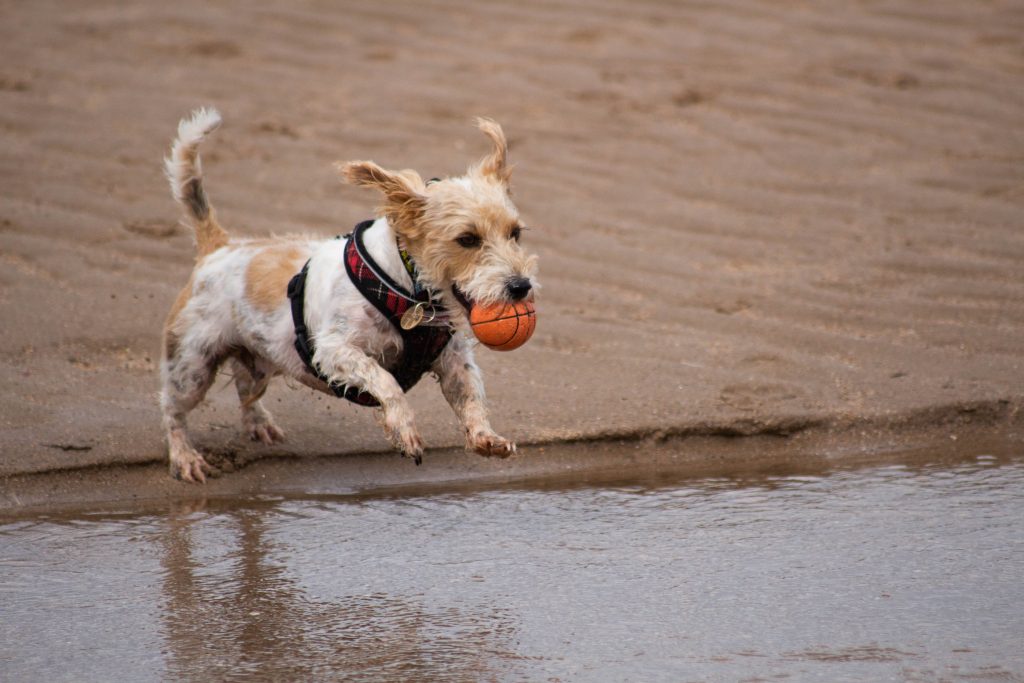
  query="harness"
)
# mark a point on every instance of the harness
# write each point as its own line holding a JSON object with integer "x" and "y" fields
{"x": 421, "y": 343}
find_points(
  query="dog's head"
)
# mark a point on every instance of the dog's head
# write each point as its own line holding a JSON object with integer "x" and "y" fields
{"x": 463, "y": 232}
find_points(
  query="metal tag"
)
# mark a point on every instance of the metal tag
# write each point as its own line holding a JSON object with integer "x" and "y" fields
{"x": 412, "y": 317}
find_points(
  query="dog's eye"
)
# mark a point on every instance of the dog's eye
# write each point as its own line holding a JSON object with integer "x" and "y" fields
{"x": 516, "y": 232}
{"x": 468, "y": 240}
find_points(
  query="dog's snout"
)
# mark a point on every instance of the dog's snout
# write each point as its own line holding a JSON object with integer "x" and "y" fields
{"x": 518, "y": 287}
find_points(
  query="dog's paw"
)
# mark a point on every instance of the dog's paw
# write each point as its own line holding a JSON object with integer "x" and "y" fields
{"x": 490, "y": 445}
{"x": 411, "y": 446}
{"x": 402, "y": 433}
{"x": 265, "y": 432}
{"x": 188, "y": 465}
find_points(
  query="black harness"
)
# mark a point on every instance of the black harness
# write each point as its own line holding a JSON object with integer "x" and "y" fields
{"x": 421, "y": 345}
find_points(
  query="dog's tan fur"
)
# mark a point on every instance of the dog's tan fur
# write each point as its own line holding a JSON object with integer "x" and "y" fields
{"x": 266, "y": 278}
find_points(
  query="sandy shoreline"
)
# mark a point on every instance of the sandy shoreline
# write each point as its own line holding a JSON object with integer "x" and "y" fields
{"x": 751, "y": 219}
{"x": 731, "y": 450}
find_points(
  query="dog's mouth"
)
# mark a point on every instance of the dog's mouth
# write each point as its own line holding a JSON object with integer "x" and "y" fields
{"x": 464, "y": 300}
{"x": 469, "y": 304}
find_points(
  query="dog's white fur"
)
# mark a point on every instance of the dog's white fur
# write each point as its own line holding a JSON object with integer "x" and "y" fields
{"x": 234, "y": 308}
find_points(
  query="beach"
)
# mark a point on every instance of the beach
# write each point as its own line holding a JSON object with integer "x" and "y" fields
{"x": 754, "y": 219}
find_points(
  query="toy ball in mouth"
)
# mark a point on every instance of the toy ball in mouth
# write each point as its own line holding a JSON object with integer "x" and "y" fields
{"x": 503, "y": 326}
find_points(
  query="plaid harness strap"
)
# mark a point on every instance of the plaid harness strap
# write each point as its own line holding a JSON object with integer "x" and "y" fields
{"x": 420, "y": 346}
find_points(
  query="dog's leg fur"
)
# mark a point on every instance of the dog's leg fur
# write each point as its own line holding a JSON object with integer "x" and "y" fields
{"x": 463, "y": 387}
{"x": 186, "y": 379}
{"x": 251, "y": 381}
{"x": 349, "y": 366}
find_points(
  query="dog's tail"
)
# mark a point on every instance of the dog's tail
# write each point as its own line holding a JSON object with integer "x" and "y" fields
{"x": 185, "y": 172}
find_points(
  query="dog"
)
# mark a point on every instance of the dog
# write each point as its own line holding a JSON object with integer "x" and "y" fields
{"x": 455, "y": 241}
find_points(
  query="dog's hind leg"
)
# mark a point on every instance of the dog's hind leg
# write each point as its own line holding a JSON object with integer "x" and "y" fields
{"x": 251, "y": 381}
{"x": 186, "y": 379}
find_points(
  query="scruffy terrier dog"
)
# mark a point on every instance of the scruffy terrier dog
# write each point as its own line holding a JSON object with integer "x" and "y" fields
{"x": 440, "y": 246}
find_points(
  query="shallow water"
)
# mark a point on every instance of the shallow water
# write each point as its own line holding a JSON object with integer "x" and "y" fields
{"x": 886, "y": 573}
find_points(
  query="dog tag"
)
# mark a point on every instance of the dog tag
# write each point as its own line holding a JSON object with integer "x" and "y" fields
{"x": 412, "y": 317}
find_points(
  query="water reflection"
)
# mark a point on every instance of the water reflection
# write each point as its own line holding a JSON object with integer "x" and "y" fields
{"x": 238, "y": 612}
{"x": 910, "y": 571}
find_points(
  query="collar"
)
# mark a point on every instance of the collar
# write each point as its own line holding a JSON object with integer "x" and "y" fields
{"x": 404, "y": 309}
{"x": 410, "y": 267}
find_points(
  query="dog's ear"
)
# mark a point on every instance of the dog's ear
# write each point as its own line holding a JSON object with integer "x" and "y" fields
{"x": 495, "y": 165}
{"x": 403, "y": 190}
{"x": 397, "y": 186}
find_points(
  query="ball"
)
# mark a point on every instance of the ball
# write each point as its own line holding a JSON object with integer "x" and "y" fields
{"x": 503, "y": 327}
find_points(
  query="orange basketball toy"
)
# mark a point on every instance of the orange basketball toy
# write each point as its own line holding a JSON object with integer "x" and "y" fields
{"x": 503, "y": 327}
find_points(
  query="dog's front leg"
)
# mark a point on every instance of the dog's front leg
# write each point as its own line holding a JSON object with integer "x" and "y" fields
{"x": 463, "y": 387}
{"x": 350, "y": 366}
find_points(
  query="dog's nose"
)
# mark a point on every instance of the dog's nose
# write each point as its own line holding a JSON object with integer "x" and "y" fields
{"x": 518, "y": 287}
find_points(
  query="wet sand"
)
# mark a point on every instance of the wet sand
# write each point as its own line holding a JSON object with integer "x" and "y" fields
{"x": 753, "y": 219}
